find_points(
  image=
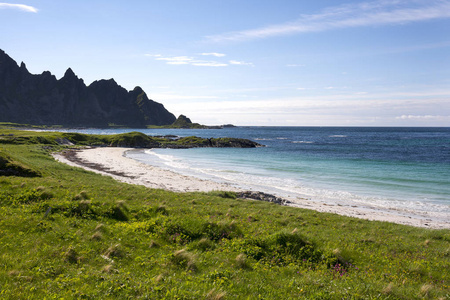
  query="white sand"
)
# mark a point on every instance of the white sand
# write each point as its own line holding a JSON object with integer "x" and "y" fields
{"x": 140, "y": 173}
{"x": 135, "y": 172}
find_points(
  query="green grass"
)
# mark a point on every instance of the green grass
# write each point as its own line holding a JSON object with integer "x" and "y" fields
{"x": 70, "y": 233}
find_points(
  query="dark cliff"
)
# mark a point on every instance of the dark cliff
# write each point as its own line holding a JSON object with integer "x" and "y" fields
{"x": 44, "y": 100}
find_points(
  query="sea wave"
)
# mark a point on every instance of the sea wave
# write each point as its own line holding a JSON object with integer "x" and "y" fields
{"x": 338, "y": 136}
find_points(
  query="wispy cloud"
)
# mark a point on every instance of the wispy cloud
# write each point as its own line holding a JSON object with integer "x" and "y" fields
{"x": 194, "y": 61}
{"x": 429, "y": 107}
{"x": 200, "y": 63}
{"x": 376, "y": 13}
{"x": 242, "y": 63}
{"x": 213, "y": 54}
{"x": 421, "y": 117}
{"x": 189, "y": 60}
{"x": 176, "y": 60}
{"x": 21, "y": 7}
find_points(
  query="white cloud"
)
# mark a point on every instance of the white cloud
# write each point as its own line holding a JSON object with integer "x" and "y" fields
{"x": 242, "y": 63}
{"x": 21, "y": 7}
{"x": 186, "y": 60}
{"x": 374, "y": 13}
{"x": 424, "y": 117}
{"x": 176, "y": 59}
{"x": 213, "y": 54}
{"x": 208, "y": 64}
{"x": 177, "y": 63}
{"x": 426, "y": 108}
{"x": 193, "y": 61}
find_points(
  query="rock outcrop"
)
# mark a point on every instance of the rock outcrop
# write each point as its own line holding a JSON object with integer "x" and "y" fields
{"x": 44, "y": 100}
{"x": 260, "y": 196}
{"x": 197, "y": 142}
{"x": 184, "y": 122}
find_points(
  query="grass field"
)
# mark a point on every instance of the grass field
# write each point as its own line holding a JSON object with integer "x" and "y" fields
{"x": 66, "y": 233}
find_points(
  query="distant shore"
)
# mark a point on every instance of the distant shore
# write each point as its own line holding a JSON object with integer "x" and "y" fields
{"x": 113, "y": 162}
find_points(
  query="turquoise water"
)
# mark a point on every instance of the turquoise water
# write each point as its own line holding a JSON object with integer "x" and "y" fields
{"x": 406, "y": 169}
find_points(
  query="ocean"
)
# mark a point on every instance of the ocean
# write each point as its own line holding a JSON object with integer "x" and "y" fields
{"x": 401, "y": 169}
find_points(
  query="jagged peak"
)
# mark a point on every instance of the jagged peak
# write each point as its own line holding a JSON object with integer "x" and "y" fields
{"x": 23, "y": 66}
{"x": 71, "y": 77}
{"x": 110, "y": 84}
{"x": 5, "y": 58}
{"x": 3, "y": 55}
{"x": 68, "y": 101}
{"x": 138, "y": 89}
{"x": 48, "y": 74}
{"x": 69, "y": 73}
{"x": 111, "y": 80}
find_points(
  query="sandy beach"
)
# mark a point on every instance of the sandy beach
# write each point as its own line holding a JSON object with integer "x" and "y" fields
{"x": 113, "y": 162}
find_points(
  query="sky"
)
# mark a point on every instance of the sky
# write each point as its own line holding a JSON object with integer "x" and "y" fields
{"x": 252, "y": 62}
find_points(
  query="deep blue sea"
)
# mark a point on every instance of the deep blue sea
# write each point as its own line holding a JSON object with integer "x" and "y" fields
{"x": 395, "y": 168}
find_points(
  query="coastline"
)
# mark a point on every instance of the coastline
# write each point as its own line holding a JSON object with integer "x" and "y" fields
{"x": 112, "y": 161}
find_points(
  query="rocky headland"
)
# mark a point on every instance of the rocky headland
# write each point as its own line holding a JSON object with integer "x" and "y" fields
{"x": 44, "y": 100}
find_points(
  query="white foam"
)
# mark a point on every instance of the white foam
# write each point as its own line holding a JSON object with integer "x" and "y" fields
{"x": 169, "y": 161}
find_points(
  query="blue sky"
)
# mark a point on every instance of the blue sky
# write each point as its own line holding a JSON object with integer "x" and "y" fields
{"x": 293, "y": 63}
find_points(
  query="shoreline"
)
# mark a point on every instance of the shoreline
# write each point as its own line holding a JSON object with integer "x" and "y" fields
{"x": 112, "y": 161}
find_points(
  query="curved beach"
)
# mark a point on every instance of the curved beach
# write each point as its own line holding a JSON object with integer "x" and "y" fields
{"x": 113, "y": 162}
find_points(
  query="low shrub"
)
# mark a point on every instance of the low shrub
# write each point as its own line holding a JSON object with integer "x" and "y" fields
{"x": 117, "y": 211}
{"x": 203, "y": 245}
{"x": 184, "y": 259}
{"x": 71, "y": 255}
{"x": 218, "y": 231}
{"x": 241, "y": 261}
{"x": 115, "y": 251}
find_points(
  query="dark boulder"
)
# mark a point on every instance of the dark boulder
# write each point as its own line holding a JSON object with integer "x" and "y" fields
{"x": 260, "y": 196}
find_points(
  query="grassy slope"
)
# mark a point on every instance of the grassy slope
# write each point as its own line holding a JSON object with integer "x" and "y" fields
{"x": 75, "y": 234}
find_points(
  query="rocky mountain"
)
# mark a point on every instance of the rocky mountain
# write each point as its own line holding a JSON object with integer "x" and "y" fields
{"x": 44, "y": 100}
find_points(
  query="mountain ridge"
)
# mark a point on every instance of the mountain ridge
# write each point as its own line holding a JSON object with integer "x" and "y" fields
{"x": 42, "y": 99}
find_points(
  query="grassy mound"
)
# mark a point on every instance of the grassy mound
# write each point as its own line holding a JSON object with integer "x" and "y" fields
{"x": 10, "y": 167}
